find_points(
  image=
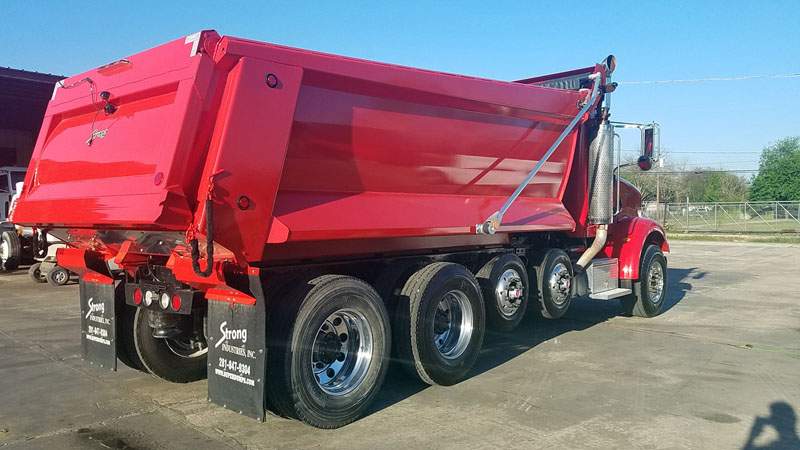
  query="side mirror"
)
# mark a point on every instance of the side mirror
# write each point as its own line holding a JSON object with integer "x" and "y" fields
{"x": 610, "y": 64}
{"x": 645, "y": 161}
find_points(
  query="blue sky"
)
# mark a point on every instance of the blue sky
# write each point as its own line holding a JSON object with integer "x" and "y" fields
{"x": 502, "y": 40}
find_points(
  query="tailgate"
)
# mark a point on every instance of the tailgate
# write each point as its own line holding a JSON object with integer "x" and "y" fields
{"x": 136, "y": 163}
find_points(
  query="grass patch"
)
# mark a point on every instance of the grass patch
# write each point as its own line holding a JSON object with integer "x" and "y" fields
{"x": 755, "y": 238}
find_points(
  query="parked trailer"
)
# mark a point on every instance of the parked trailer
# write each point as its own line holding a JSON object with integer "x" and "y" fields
{"x": 281, "y": 220}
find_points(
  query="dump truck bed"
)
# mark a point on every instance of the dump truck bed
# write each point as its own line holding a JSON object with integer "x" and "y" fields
{"x": 293, "y": 147}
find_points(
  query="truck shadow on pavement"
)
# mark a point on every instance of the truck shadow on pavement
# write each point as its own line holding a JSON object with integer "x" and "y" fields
{"x": 783, "y": 420}
{"x": 679, "y": 283}
{"x": 499, "y": 348}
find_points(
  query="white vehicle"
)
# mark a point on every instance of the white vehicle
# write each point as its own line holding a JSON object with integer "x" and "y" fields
{"x": 10, "y": 177}
{"x": 18, "y": 244}
{"x": 13, "y": 246}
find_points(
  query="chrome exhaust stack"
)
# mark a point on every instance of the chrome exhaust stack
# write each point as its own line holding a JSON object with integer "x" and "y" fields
{"x": 601, "y": 166}
{"x": 601, "y": 187}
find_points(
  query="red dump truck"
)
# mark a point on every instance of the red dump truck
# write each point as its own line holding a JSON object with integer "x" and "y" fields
{"x": 281, "y": 221}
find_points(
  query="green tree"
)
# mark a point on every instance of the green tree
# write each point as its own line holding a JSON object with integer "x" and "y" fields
{"x": 713, "y": 186}
{"x": 778, "y": 172}
{"x": 668, "y": 184}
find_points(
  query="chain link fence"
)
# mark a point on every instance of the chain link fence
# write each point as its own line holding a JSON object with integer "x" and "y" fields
{"x": 738, "y": 217}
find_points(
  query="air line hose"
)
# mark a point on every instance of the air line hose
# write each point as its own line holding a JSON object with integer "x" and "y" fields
{"x": 209, "y": 244}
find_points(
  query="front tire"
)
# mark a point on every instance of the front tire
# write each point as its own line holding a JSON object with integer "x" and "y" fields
{"x": 440, "y": 327}
{"x": 10, "y": 250}
{"x": 329, "y": 346}
{"x": 650, "y": 290}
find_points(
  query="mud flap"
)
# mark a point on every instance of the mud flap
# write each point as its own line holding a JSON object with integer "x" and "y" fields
{"x": 98, "y": 324}
{"x": 237, "y": 353}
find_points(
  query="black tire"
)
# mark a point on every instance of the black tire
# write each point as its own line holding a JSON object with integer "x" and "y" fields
{"x": 58, "y": 276}
{"x": 641, "y": 302}
{"x": 506, "y": 273}
{"x": 13, "y": 249}
{"x": 126, "y": 315}
{"x": 35, "y": 272}
{"x": 552, "y": 304}
{"x": 416, "y": 323}
{"x": 297, "y": 337}
{"x": 391, "y": 280}
{"x": 159, "y": 359}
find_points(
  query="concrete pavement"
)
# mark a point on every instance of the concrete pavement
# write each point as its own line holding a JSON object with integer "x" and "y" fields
{"x": 720, "y": 368}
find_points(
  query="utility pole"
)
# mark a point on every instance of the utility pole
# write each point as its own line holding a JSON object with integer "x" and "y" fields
{"x": 658, "y": 197}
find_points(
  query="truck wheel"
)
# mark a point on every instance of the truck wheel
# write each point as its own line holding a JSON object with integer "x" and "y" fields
{"x": 553, "y": 280}
{"x": 391, "y": 281}
{"x": 329, "y": 346}
{"x": 650, "y": 290}
{"x": 126, "y": 317}
{"x": 58, "y": 276}
{"x": 35, "y": 272}
{"x": 439, "y": 329}
{"x": 10, "y": 250}
{"x": 504, "y": 282}
{"x": 176, "y": 360}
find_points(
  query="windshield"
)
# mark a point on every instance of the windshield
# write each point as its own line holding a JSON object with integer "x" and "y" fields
{"x": 17, "y": 177}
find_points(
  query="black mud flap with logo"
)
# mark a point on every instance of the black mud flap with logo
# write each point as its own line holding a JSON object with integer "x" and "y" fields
{"x": 98, "y": 327}
{"x": 237, "y": 353}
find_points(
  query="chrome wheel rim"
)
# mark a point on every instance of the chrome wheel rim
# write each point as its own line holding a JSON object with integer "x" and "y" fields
{"x": 187, "y": 348}
{"x": 60, "y": 277}
{"x": 655, "y": 283}
{"x": 452, "y": 324}
{"x": 3, "y": 250}
{"x": 342, "y": 352}
{"x": 559, "y": 282}
{"x": 508, "y": 292}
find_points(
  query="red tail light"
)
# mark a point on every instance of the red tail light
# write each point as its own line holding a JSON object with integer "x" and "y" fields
{"x": 137, "y": 296}
{"x": 176, "y": 302}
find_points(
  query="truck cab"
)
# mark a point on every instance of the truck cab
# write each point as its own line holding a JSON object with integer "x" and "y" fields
{"x": 9, "y": 177}
{"x": 16, "y": 242}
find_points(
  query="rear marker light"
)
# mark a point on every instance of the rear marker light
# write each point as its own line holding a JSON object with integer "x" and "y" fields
{"x": 243, "y": 202}
{"x": 149, "y": 296}
{"x": 272, "y": 80}
{"x": 164, "y": 300}
{"x": 176, "y": 302}
{"x": 137, "y": 296}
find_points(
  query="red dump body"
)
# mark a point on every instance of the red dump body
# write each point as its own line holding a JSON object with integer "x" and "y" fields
{"x": 311, "y": 155}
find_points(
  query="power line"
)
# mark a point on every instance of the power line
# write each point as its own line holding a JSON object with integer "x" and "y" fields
{"x": 692, "y": 171}
{"x": 711, "y": 163}
{"x": 715, "y": 152}
{"x": 725, "y": 162}
{"x": 695, "y": 80}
